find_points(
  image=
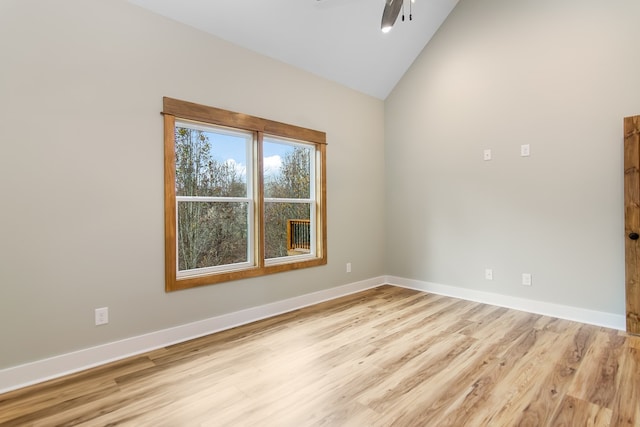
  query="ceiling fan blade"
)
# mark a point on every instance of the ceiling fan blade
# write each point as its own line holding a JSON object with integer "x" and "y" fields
{"x": 390, "y": 13}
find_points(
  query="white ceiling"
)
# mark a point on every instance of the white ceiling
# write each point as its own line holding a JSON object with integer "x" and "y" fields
{"x": 336, "y": 39}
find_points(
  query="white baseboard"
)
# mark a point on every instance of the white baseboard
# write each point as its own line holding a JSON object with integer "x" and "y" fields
{"x": 592, "y": 317}
{"x": 57, "y": 366}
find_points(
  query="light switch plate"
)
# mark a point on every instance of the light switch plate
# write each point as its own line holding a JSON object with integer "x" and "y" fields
{"x": 488, "y": 274}
{"x": 102, "y": 316}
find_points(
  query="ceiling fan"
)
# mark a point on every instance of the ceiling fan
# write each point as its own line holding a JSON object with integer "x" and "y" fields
{"x": 391, "y": 12}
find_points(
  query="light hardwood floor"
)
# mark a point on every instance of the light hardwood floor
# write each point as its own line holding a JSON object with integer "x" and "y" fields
{"x": 384, "y": 357}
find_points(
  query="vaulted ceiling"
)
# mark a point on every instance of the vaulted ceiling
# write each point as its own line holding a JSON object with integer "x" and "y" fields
{"x": 339, "y": 40}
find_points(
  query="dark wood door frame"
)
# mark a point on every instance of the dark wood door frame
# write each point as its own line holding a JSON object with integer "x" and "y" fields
{"x": 632, "y": 221}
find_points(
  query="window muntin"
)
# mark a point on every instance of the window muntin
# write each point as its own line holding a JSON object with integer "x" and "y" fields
{"x": 240, "y": 210}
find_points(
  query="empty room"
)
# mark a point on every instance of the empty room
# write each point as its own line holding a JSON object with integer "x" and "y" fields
{"x": 320, "y": 213}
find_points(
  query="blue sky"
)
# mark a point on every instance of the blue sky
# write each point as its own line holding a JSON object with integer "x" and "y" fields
{"x": 232, "y": 148}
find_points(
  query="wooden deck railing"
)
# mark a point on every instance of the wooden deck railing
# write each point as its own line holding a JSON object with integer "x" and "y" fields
{"x": 298, "y": 235}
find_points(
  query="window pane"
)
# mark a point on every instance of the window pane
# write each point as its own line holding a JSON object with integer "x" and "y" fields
{"x": 210, "y": 162}
{"x": 287, "y": 169}
{"x": 287, "y": 229}
{"x": 212, "y": 234}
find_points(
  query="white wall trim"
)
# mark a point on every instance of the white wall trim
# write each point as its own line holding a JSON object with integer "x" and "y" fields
{"x": 42, "y": 370}
{"x": 592, "y": 317}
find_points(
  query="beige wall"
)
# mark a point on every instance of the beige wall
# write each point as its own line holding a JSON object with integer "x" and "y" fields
{"x": 558, "y": 75}
{"x": 81, "y": 177}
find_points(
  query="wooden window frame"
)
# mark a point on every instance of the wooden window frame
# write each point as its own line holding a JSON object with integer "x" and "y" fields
{"x": 174, "y": 109}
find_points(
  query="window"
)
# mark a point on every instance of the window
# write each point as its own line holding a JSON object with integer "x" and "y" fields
{"x": 244, "y": 196}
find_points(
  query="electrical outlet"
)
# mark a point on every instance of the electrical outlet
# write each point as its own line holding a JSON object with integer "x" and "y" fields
{"x": 525, "y": 150}
{"x": 348, "y": 267}
{"x": 488, "y": 274}
{"x": 486, "y": 154}
{"x": 102, "y": 316}
{"x": 526, "y": 279}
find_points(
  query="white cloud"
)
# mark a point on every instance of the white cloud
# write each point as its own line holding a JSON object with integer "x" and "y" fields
{"x": 238, "y": 167}
{"x": 272, "y": 164}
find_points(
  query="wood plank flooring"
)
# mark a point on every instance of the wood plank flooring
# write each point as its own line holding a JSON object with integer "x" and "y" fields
{"x": 384, "y": 357}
